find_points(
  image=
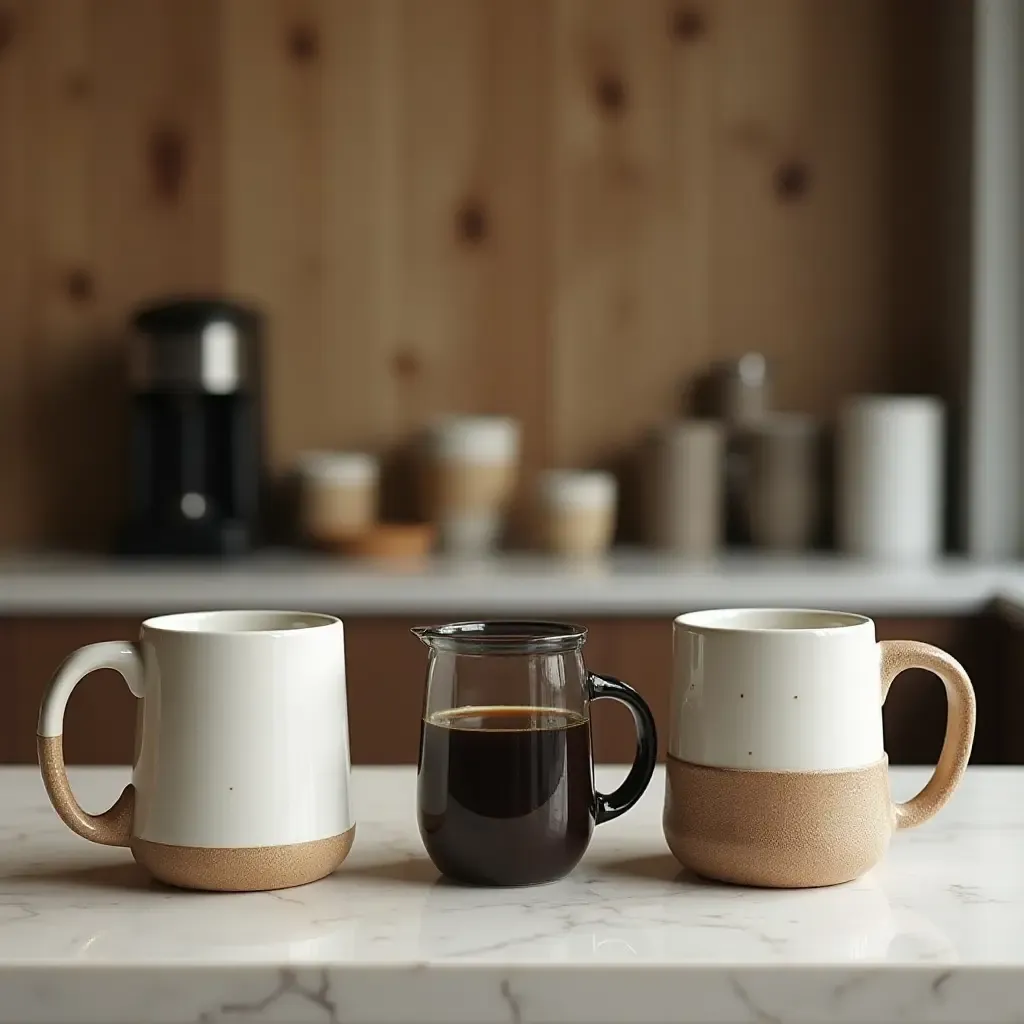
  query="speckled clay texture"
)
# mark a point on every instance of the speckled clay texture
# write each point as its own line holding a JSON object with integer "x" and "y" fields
{"x": 778, "y": 829}
{"x": 111, "y": 828}
{"x": 243, "y": 870}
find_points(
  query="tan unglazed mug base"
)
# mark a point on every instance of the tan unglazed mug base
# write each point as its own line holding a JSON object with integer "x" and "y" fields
{"x": 212, "y": 868}
{"x": 249, "y": 869}
{"x": 778, "y": 829}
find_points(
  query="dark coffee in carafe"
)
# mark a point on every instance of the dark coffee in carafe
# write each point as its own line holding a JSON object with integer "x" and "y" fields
{"x": 506, "y": 794}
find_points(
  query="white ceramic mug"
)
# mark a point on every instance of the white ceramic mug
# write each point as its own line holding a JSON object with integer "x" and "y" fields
{"x": 241, "y": 775}
{"x": 777, "y": 773}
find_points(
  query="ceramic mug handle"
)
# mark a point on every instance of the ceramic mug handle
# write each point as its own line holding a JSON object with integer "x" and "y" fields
{"x": 898, "y": 655}
{"x": 113, "y": 827}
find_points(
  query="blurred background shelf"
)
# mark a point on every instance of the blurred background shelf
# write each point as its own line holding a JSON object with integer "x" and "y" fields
{"x": 556, "y": 210}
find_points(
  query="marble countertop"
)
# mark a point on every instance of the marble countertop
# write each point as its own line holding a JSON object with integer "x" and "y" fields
{"x": 935, "y": 933}
{"x": 624, "y": 584}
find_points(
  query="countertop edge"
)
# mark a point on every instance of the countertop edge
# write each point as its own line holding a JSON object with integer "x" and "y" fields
{"x": 686, "y": 993}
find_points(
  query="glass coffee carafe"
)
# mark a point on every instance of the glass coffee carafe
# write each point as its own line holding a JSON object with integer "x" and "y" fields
{"x": 506, "y": 776}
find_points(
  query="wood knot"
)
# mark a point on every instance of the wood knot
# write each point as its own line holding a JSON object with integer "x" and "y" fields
{"x": 167, "y": 161}
{"x": 7, "y": 28}
{"x": 303, "y": 43}
{"x": 610, "y": 93}
{"x": 471, "y": 222}
{"x": 792, "y": 180}
{"x": 687, "y": 24}
{"x": 406, "y": 364}
{"x": 79, "y": 285}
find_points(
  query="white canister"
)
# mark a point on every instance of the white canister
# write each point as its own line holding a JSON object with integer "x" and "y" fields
{"x": 577, "y": 511}
{"x": 890, "y": 477}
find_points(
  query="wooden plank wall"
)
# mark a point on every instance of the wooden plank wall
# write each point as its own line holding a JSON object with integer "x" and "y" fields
{"x": 557, "y": 209}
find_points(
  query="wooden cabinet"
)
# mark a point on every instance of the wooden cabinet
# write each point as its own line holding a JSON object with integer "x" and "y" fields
{"x": 1008, "y": 711}
{"x": 915, "y": 710}
{"x": 99, "y": 726}
{"x": 385, "y": 677}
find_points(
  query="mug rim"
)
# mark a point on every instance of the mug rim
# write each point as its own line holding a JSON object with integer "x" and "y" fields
{"x": 214, "y": 622}
{"x": 817, "y": 621}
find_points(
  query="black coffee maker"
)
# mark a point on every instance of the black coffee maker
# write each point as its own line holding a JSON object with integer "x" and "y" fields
{"x": 196, "y": 472}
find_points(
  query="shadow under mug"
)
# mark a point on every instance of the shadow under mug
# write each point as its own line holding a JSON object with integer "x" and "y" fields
{"x": 241, "y": 774}
{"x": 776, "y": 773}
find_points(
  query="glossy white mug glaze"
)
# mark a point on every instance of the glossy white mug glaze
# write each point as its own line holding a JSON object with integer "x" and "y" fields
{"x": 243, "y": 746}
{"x": 776, "y": 690}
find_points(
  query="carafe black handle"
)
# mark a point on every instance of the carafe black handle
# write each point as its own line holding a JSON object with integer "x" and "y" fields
{"x": 614, "y": 804}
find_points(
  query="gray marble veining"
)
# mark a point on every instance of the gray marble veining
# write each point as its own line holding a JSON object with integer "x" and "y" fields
{"x": 936, "y": 933}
